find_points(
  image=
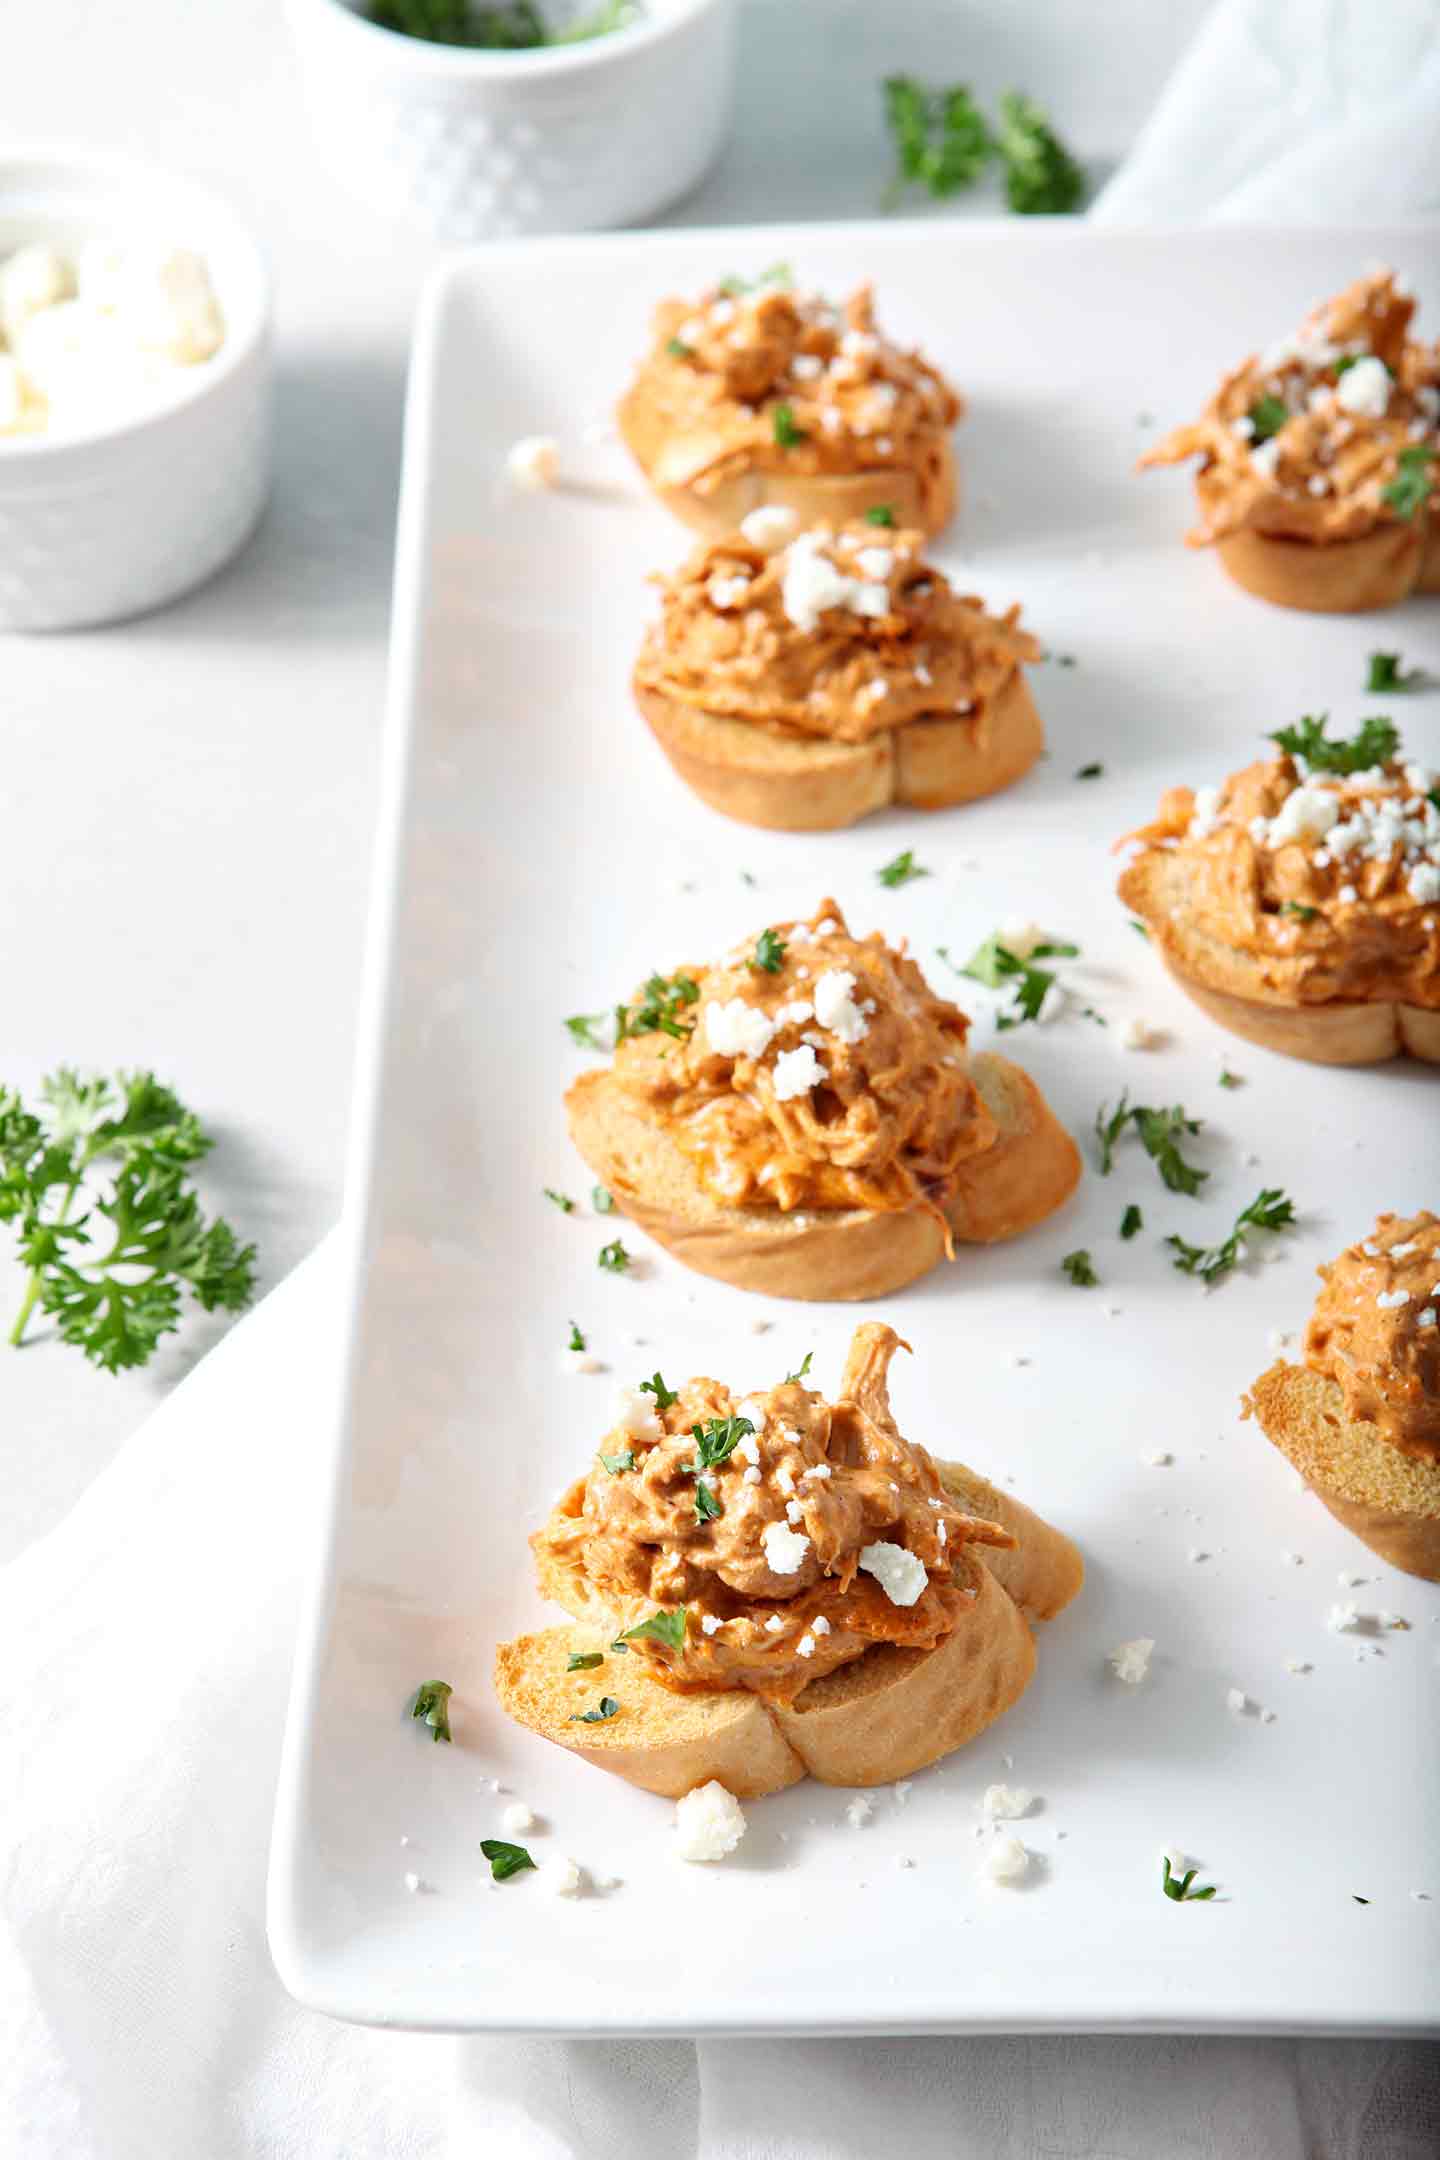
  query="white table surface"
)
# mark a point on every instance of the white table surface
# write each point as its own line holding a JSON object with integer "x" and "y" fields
{"x": 186, "y": 809}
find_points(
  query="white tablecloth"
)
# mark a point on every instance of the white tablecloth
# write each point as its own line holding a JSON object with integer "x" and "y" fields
{"x": 146, "y": 1641}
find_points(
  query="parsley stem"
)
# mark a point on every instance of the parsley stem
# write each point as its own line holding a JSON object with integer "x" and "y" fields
{"x": 37, "y": 1275}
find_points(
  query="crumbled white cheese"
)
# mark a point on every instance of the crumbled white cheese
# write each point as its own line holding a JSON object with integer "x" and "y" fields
{"x": 784, "y": 1549}
{"x": 534, "y": 461}
{"x": 752, "y": 1476}
{"x": 1159, "y": 1459}
{"x": 860, "y": 1810}
{"x": 774, "y": 1625}
{"x": 1296, "y": 1664}
{"x": 1237, "y": 1700}
{"x": 747, "y": 1448}
{"x": 1265, "y": 456}
{"x": 1365, "y": 388}
{"x": 794, "y": 1513}
{"x": 1130, "y": 1661}
{"x": 875, "y": 562}
{"x": 1006, "y": 1802}
{"x": 517, "y": 1817}
{"x": 1138, "y": 1035}
{"x": 1343, "y": 1619}
{"x": 820, "y": 1625}
{"x": 806, "y": 1646}
{"x": 899, "y": 1573}
{"x": 796, "y": 1072}
{"x": 728, "y": 592}
{"x": 737, "y": 1029}
{"x": 769, "y": 527}
{"x": 709, "y": 1823}
{"x": 635, "y": 1414}
{"x": 412, "y": 1881}
{"x": 1006, "y": 1861}
{"x": 796, "y": 1013}
{"x": 812, "y": 583}
{"x": 835, "y": 1007}
{"x": 1307, "y": 813}
{"x": 711, "y": 1623}
{"x": 580, "y": 1361}
{"x": 561, "y": 1877}
{"x": 1392, "y": 1300}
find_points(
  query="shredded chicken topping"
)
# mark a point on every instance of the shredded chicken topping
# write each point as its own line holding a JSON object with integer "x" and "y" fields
{"x": 1330, "y": 882}
{"x": 835, "y": 1078}
{"x": 1376, "y": 1331}
{"x": 842, "y": 633}
{"x": 1357, "y": 392}
{"x": 708, "y": 391}
{"x": 814, "y": 1485}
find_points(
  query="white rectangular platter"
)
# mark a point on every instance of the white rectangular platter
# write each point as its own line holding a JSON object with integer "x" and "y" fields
{"x": 539, "y": 859}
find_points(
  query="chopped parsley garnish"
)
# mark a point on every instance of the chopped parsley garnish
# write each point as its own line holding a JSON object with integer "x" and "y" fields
{"x": 1374, "y": 744}
{"x": 1131, "y": 1221}
{"x": 618, "y": 1464}
{"x": 716, "y": 1441}
{"x": 1269, "y": 1210}
{"x": 613, "y": 1257}
{"x": 1178, "y": 1886}
{"x": 1161, "y": 1132}
{"x": 621, "y": 1646}
{"x": 779, "y": 275}
{"x": 661, "y": 1627}
{"x": 432, "y": 1707}
{"x": 584, "y": 1660}
{"x": 559, "y": 1199}
{"x": 802, "y": 1369}
{"x": 582, "y": 1027}
{"x": 707, "y": 1507}
{"x": 902, "y": 870}
{"x": 678, "y": 349}
{"x": 602, "y": 1201}
{"x": 1081, "y": 1270}
{"x": 783, "y": 426}
{"x": 604, "y": 1710}
{"x": 993, "y": 964}
{"x": 663, "y": 1395}
{"x": 658, "y": 1008}
{"x": 1090, "y": 772}
{"x": 1227, "y": 1078}
{"x": 1410, "y": 490}
{"x": 1299, "y": 910}
{"x": 1141, "y": 929}
{"x": 577, "y": 1340}
{"x": 505, "y": 1859}
{"x": 769, "y": 954}
{"x": 880, "y": 514}
{"x": 1267, "y": 416}
{"x": 941, "y": 140}
{"x": 1386, "y": 673}
{"x": 1041, "y": 177}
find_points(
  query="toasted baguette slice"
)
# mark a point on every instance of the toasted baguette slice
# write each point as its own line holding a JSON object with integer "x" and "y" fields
{"x": 1329, "y": 577}
{"x": 1390, "y": 1500}
{"x": 789, "y": 782}
{"x": 1228, "y": 984}
{"x": 921, "y": 493}
{"x": 1042, "y": 1571}
{"x": 889, "y": 1713}
{"x": 666, "y": 1742}
{"x": 827, "y": 1254}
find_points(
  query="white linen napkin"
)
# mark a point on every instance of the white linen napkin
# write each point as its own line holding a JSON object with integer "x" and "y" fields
{"x": 146, "y": 1643}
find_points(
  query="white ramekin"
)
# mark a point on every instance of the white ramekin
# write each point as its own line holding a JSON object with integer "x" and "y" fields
{"x": 478, "y": 145}
{"x": 122, "y": 517}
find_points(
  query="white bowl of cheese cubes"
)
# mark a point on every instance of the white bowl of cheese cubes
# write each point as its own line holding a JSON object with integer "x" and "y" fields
{"x": 134, "y": 389}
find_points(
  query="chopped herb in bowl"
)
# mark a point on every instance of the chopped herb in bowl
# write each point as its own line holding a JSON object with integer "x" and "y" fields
{"x": 515, "y": 27}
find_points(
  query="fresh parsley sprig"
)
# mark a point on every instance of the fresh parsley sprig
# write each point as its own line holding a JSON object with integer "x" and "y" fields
{"x": 613, "y": 1257}
{"x": 658, "y": 1009}
{"x": 1041, "y": 177}
{"x": 902, "y": 869}
{"x": 1081, "y": 1270}
{"x": 662, "y": 1627}
{"x": 941, "y": 139}
{"x": 432, "y": 1707}
{"x": 1386, "y": 673}
{"x": 1267, "y": 416}
{"x": 1161, "y": 1132}
{"x": 1269, "y": 1210}
{"x": 785, "y": 428}
{"x": 769, "y": 955}
{"x": 716, "y": 1441}
{"x": 802, "y": 1370}
{"x": 663, "y": 1395}
{"x": 505, "y": 1859}
{"x": 116, "y": 1303}
{"x": 1375, "y": 743}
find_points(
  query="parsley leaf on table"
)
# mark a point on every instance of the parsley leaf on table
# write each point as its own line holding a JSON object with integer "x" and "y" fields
{"x": 1269, "y": 1210}
{"x": 993, "y": 963}
{"x": 902, "y": 870}
{"x": 1161, "y": 1132}
{"x": 1081, "y": 1270}
{"x": 113, "y": 1304}
{"x": 432, "y": 1707}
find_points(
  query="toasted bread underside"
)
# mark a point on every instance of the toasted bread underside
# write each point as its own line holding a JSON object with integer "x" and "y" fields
{"x": 886, "y": 1715}
{"x": 791, "y": 782}
{"x": 827, "y": 1254}
{"x": 1329, "y": 577}
{"x": 1228, "y": 984}
{"x": 922, "y": 493}
{"x": 1390, "y": 1500}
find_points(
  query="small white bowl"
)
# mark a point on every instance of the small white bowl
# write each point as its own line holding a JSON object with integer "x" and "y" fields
{"x": 121, "y": 517}
{"x": 565, "y": 138}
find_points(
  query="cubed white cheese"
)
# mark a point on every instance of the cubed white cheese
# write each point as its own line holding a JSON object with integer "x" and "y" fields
{"x": 709, "y": 1823}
